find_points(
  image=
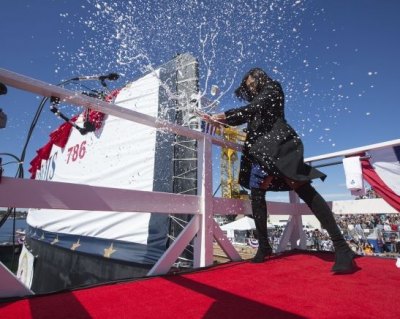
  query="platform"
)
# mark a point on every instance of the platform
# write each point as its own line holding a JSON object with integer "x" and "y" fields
{"x": 292, "y": 285}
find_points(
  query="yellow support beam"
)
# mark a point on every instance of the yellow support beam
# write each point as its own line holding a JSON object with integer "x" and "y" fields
{"x": 230, "y": 163}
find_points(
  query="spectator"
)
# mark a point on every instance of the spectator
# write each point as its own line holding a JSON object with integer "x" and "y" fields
{"x": 393, "y": 242}
{"x": 386, "y": 226}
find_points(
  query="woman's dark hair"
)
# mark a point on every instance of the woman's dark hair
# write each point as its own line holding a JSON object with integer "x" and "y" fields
{"x": 260, "y": 77}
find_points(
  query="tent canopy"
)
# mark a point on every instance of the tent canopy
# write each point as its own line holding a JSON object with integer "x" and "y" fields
{"x": 245, "y": 223}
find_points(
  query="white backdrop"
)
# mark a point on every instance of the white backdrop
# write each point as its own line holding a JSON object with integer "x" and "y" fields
{"x": 120, "y": 154}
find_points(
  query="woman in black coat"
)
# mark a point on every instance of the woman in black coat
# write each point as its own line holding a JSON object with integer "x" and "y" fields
{"x": 273, "y": 159}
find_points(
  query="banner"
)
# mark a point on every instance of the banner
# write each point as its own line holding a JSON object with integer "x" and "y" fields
{"x": 25, "y": 267}
{"x": 386, "y": 163}
{"x": 382, "y": 172}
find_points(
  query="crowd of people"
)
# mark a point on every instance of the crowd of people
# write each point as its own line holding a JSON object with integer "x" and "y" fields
{"x": 366, "y": 234}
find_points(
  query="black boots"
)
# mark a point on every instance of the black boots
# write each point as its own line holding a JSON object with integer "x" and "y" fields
{"x": 262, "y": 253}
{"x": 344, "y": 263}
{"x": 344, "y": 256}
{"x": 259, "y": 208}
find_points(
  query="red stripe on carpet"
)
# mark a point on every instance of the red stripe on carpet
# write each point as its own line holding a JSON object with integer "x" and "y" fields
{"x": 292, "y": 285}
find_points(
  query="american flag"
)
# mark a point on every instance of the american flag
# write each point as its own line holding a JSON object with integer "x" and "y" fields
{"x": 208, "y": 128}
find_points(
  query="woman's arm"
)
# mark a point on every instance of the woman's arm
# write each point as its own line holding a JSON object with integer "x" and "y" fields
{"x": 238, "y": 116}
{"x": 269, "y": 102}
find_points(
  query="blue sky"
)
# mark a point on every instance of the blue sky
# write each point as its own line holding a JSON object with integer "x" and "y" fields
{"x": 337, "y": 60}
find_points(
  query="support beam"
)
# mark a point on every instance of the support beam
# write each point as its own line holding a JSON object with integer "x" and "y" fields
{"x": 164, "y": 264}
{"x": 286, "y": 235}
{"x": 353, "y": 151}
{"x": 294, "y": 228}
{"x": 225, "y": 244}
{"x": 203, "y": 244}
{"x": 297, "y": 237}
{"x": 11, "y": 286}
{"x": 30, "y": 193}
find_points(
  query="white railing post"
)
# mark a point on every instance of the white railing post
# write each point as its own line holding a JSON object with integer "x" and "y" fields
{"x": 298, "y": 237}
{"x": 164, "y": 264}
{"x": 203, "y": 242}
{"x": 294, "y": 228}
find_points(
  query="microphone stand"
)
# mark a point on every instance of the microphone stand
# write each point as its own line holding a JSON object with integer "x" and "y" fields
{"x": 87, "y": 125}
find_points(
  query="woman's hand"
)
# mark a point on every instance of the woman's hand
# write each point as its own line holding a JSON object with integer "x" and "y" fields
{"x": 216, "y": 119}
{"x": 220, "y": 117}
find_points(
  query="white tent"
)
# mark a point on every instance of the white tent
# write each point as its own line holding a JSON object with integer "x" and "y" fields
{"x": 236, "y": 231}
{"x": 244, "y": 223}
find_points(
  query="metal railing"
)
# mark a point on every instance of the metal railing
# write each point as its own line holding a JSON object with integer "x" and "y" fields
{"x": 202, "y": 228}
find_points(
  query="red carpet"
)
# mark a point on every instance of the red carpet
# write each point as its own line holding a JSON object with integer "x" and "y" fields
{"x": 292, "y": 285}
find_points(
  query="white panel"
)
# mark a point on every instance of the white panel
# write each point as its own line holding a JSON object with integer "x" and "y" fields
{"x": 353, "y": 173}
{"x": 120, "y": 154}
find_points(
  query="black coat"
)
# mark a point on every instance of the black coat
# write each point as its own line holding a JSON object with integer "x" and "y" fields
{"x": 271, "y": 141}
